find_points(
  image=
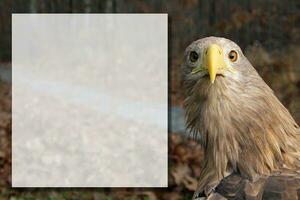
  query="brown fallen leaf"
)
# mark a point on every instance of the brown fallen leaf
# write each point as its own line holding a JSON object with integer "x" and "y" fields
{"x": 182, "y": 175}
{"x": 172, "y": 196}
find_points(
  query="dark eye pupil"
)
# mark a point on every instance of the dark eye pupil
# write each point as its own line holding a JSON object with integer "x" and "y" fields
{"x": 232, "y": 55}
{"x": 194, "y": 56}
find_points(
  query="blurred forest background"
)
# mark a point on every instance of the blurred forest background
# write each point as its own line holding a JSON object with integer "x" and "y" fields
{"x": 267, "y": 31}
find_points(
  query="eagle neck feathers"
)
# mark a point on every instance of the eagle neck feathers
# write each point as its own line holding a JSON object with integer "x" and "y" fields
{"x": 242, "y": 127}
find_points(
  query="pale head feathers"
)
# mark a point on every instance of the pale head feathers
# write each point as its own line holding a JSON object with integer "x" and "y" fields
{"x": 241, "y": 123}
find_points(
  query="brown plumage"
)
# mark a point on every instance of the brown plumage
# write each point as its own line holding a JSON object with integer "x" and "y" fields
{"x": 242, "y": 126}
{"x": 279, "y": 186}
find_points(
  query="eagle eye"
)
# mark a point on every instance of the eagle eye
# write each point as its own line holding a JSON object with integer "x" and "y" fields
{"x": 193, "y": 56}
{"x": 233, "y": 55}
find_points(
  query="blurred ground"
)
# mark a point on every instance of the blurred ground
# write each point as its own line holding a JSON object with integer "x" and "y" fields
{"x": 5, "y": 138}
{"x": 184, "y": 167}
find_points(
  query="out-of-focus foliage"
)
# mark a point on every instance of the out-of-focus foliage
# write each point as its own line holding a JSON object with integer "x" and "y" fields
{"x": 273, "y": 26}
{"x": 267, "y": 31}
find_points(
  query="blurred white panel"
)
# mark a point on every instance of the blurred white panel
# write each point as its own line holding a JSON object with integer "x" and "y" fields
{"x": 89, "y": 101}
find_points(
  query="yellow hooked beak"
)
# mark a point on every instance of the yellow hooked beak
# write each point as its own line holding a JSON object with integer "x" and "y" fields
{"x": 212, "y": 61}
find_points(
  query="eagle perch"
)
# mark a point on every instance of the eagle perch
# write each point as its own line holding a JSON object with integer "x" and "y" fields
{"x": 250, "y": 140}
